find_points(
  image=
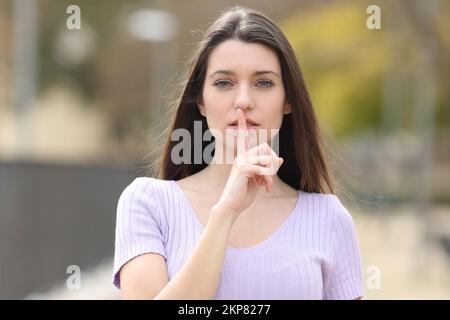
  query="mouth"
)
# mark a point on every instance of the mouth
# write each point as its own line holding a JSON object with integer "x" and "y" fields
{"x": 250, "y": 124}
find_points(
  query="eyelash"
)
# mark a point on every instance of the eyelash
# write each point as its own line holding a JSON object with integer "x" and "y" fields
{"x": 218, "y": 82}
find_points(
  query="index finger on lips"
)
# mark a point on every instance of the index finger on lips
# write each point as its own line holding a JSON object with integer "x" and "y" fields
{"x": 242, "y": 141}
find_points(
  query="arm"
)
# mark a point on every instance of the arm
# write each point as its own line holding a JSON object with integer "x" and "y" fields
{"x": 343, "y": 278}
{"x": 145, "y": 277}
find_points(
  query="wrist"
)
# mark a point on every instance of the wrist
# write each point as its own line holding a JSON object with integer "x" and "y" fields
{"x": 225, "y": 208}
{"x": 226, "y": 215}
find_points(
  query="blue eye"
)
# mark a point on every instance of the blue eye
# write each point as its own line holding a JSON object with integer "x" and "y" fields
{"x": 227, "y": 83}
{"x": 222, "y": 83}
{"x": 266, "y": 83}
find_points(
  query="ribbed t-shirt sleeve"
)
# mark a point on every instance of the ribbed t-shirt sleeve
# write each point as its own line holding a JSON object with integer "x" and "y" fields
{"x": 138, "y": 225}
{"x": 343, "y": 279}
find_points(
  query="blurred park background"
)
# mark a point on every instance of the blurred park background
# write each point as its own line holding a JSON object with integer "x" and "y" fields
{"x": 79, "y": 110}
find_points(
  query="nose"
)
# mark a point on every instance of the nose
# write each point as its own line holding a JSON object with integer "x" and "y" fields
{"x": 243, "y": 98}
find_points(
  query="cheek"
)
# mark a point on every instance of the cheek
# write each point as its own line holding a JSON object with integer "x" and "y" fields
{"x": 217, "y": 104}
{"x": 273, "y": 112}
{"x": 216, "y": 115}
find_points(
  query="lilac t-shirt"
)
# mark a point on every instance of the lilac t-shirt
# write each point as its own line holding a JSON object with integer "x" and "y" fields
{"x": 314, "y": 254}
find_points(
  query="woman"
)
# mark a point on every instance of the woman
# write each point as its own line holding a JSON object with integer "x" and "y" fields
{"x": 204, "y": 229}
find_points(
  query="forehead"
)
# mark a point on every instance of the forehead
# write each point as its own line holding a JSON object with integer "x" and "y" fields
{"x": 244, "y": 57}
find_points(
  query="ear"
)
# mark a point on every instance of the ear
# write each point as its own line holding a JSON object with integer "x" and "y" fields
{"x": 287, "y": 108}
{"x": 201, "y": 107}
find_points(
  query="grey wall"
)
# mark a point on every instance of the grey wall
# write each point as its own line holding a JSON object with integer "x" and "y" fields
{"x": 53, "y": 216}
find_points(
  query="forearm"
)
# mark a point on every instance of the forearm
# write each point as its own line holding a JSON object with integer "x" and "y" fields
{"x": 200, "y": 275}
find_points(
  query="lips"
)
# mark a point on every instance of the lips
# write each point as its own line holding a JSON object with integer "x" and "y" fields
{"x": 249, "y": 122}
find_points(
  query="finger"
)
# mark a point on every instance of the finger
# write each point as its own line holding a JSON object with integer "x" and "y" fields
{"x": 264, "y": 181}
{"x": 253, "y": 169}
{"x": 276, "y": 163}
{"x": 262, "y": 177}
{"x": 242, "y": 141}
{"x": 261, "y": 181}
{"x": 269, "y": 182}
{"x": 262, "y": 166}
{"x": 264, "y": 160}
{"x": 264, "y": 150}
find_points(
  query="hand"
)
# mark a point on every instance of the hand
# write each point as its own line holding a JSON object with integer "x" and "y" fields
{"x": 252, "y": 168}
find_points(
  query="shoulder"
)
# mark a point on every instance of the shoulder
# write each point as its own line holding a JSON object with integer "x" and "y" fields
{"x": 340, "y": 213}
{"x": 327, "y": 208}
{"x": 343, "y": 225}
{"x": 144, "y": 193}
{"x": 145, "y": 187}
{"x": 334, "y": 218}
{"x": 330, "y": 202}
{"x": 327, "y": 202}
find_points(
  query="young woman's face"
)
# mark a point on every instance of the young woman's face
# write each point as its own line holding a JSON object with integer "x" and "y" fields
{"x": 248, "y": 76}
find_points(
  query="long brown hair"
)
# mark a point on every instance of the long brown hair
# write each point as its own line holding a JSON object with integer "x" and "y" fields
{"x": 300, "y": 142}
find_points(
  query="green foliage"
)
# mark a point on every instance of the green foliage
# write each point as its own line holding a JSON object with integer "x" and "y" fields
{"x": 345, "y": 64}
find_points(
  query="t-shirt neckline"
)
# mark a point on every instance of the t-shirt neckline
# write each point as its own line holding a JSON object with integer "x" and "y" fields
{"x": 266, "y": 241}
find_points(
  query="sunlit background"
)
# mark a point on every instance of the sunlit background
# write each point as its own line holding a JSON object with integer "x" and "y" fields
{"x": 79, "y": 110}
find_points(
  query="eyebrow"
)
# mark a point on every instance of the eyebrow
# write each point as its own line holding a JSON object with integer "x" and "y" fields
{"x": 256, "y": 73}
